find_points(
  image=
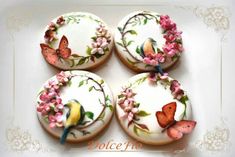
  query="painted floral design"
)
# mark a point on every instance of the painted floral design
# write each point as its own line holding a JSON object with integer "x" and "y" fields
{"x": 60, "y": 21}
{"x": 215, "y": 140}
{"x": 131, "y": 110}
{"x": 154, "y": 59}
{"x": 50, "y": 34}
{"x": 50, "y": 105}
{"x": 22, "y": 141}
{"x": 176, "y": 91}
{"x": 215, "y": 17}
{"x": 98, "y": 48}
{"x": 174, "y": 86}
{"x": 172, "y": 47}
{"x": 152, "y": 55}
{"x": 101, "y": 41}
{"x": 128, "y": 104}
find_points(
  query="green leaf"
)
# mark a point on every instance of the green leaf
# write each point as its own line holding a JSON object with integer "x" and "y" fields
{"x": 88, "y": 50}
{"x": 89, "y": 114}
{"x": 129, "y": 43}
{"x": 184, "y": 99}
{"x": 82, "y": 61}
{"x": 81, "y": 83}
{"x": 90, "y": 89}
{"x": 131, "y": 62}
{"x": 69, "y": 83}
{"x": 110, "y": 107}
{"x": 72, "y": 63}
{"x": 107, "y": 98}
{"x": 120, "y": 44}
{"x": 120, "y": 29}
{"x": 133, "y": 32}
{"x": 101, "y": 117}
{"x": 75, "y": 55}
{"x": 94, "y": 38}
{"x": 137, "y": 50}
{"x": 142, "y": 113}
{"x": 135, "y": 129}
{"x": 137, "y": 104}
{"x": 101, "y": 81}
{"x": 120, "y": 96}
{"x": 97, "y": 55}
{"x": 157, "y": 22}
{"x": 179, "y": 41}
{"x": 145, "y": 21}
{"x": 141, "y": 80}
{"x": 143, "y": 127}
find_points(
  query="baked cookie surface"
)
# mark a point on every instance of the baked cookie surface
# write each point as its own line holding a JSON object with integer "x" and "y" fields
{"x": 154, "y": 109}
{"x": 78, "y": 104}
{"x": 76, "y": 40}
{"x": 145, "y": 39}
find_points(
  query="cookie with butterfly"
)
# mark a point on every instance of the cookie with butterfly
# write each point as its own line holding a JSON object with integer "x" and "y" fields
{"x": 75, "y": 42}
{"x": 152, "y": 107}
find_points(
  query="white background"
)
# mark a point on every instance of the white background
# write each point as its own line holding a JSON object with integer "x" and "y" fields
{"x": 23, "y": 71}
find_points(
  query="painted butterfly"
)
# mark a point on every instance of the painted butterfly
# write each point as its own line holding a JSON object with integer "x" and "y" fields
{"x": 175, "y": 129}
{"x": 52, "y": 55}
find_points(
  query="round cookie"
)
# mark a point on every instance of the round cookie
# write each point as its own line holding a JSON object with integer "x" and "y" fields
{"x": 77, "y": 102}
{"x": 154, "y": 109}
{"x": 145, "y": 39}
{"x": 76, "y": 40}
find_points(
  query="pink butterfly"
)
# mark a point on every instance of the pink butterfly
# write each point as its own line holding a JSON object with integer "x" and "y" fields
{"x": 52, "y": 55}
{"x": 175, "y": 129}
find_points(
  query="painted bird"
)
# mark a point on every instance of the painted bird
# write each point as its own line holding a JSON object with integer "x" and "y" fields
{"x": 148, "y": 47}
{"x": 74, "y": 117}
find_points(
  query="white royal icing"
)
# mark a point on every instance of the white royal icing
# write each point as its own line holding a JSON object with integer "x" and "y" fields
{"x": 151, "y": 98}
{"x": 81, "y": 30}
{"x": 136, "y": 29}
{"x": 92, "y": 93}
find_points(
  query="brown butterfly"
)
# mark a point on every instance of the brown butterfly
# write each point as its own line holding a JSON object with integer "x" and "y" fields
{"x": 52, "y": 55}
{"x": 175, "y": 129}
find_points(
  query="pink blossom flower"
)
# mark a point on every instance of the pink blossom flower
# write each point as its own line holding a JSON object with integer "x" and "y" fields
{"x": 99, "y": 46}
{"x": 172, "y": 35}
{"x": 52, "y": 84}
{"x": 171, "y": 49}
{"x": 176, "y": 90}
{"x": 62, "y": 77}
{"x": 152, "y": 77}
{"x": 44, "y": 108}
{"x": 166, "y": 23}
{"x": 154, "y": 59}
{"x": 130, "y": 114}
{"x": 52, "y": 26}
{"x": 55, "y": 120}
{"x": 49, "y": 36}
{"x": 101, "y": 31}
{"x": 164, "y": 76}
{"x": 51, "y": 101}
{"x": 60, "y": 20}
{"x": 127, "y": 104}
{"x": 128, "y": 93}
{"x": 58, "y": 117}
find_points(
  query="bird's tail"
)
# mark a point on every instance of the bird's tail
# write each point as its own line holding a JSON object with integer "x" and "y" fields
{"x": 64, "y": 135}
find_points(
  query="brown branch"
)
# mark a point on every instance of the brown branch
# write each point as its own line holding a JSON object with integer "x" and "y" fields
{"x": 104, "y": 105}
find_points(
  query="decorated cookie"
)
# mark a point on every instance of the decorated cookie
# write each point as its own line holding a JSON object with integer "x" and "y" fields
{"x": 76, "y": 40}
{"x": 145, "y": 39}
{"x": 154, "y": 109}
{"x": 74, "y": 105}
